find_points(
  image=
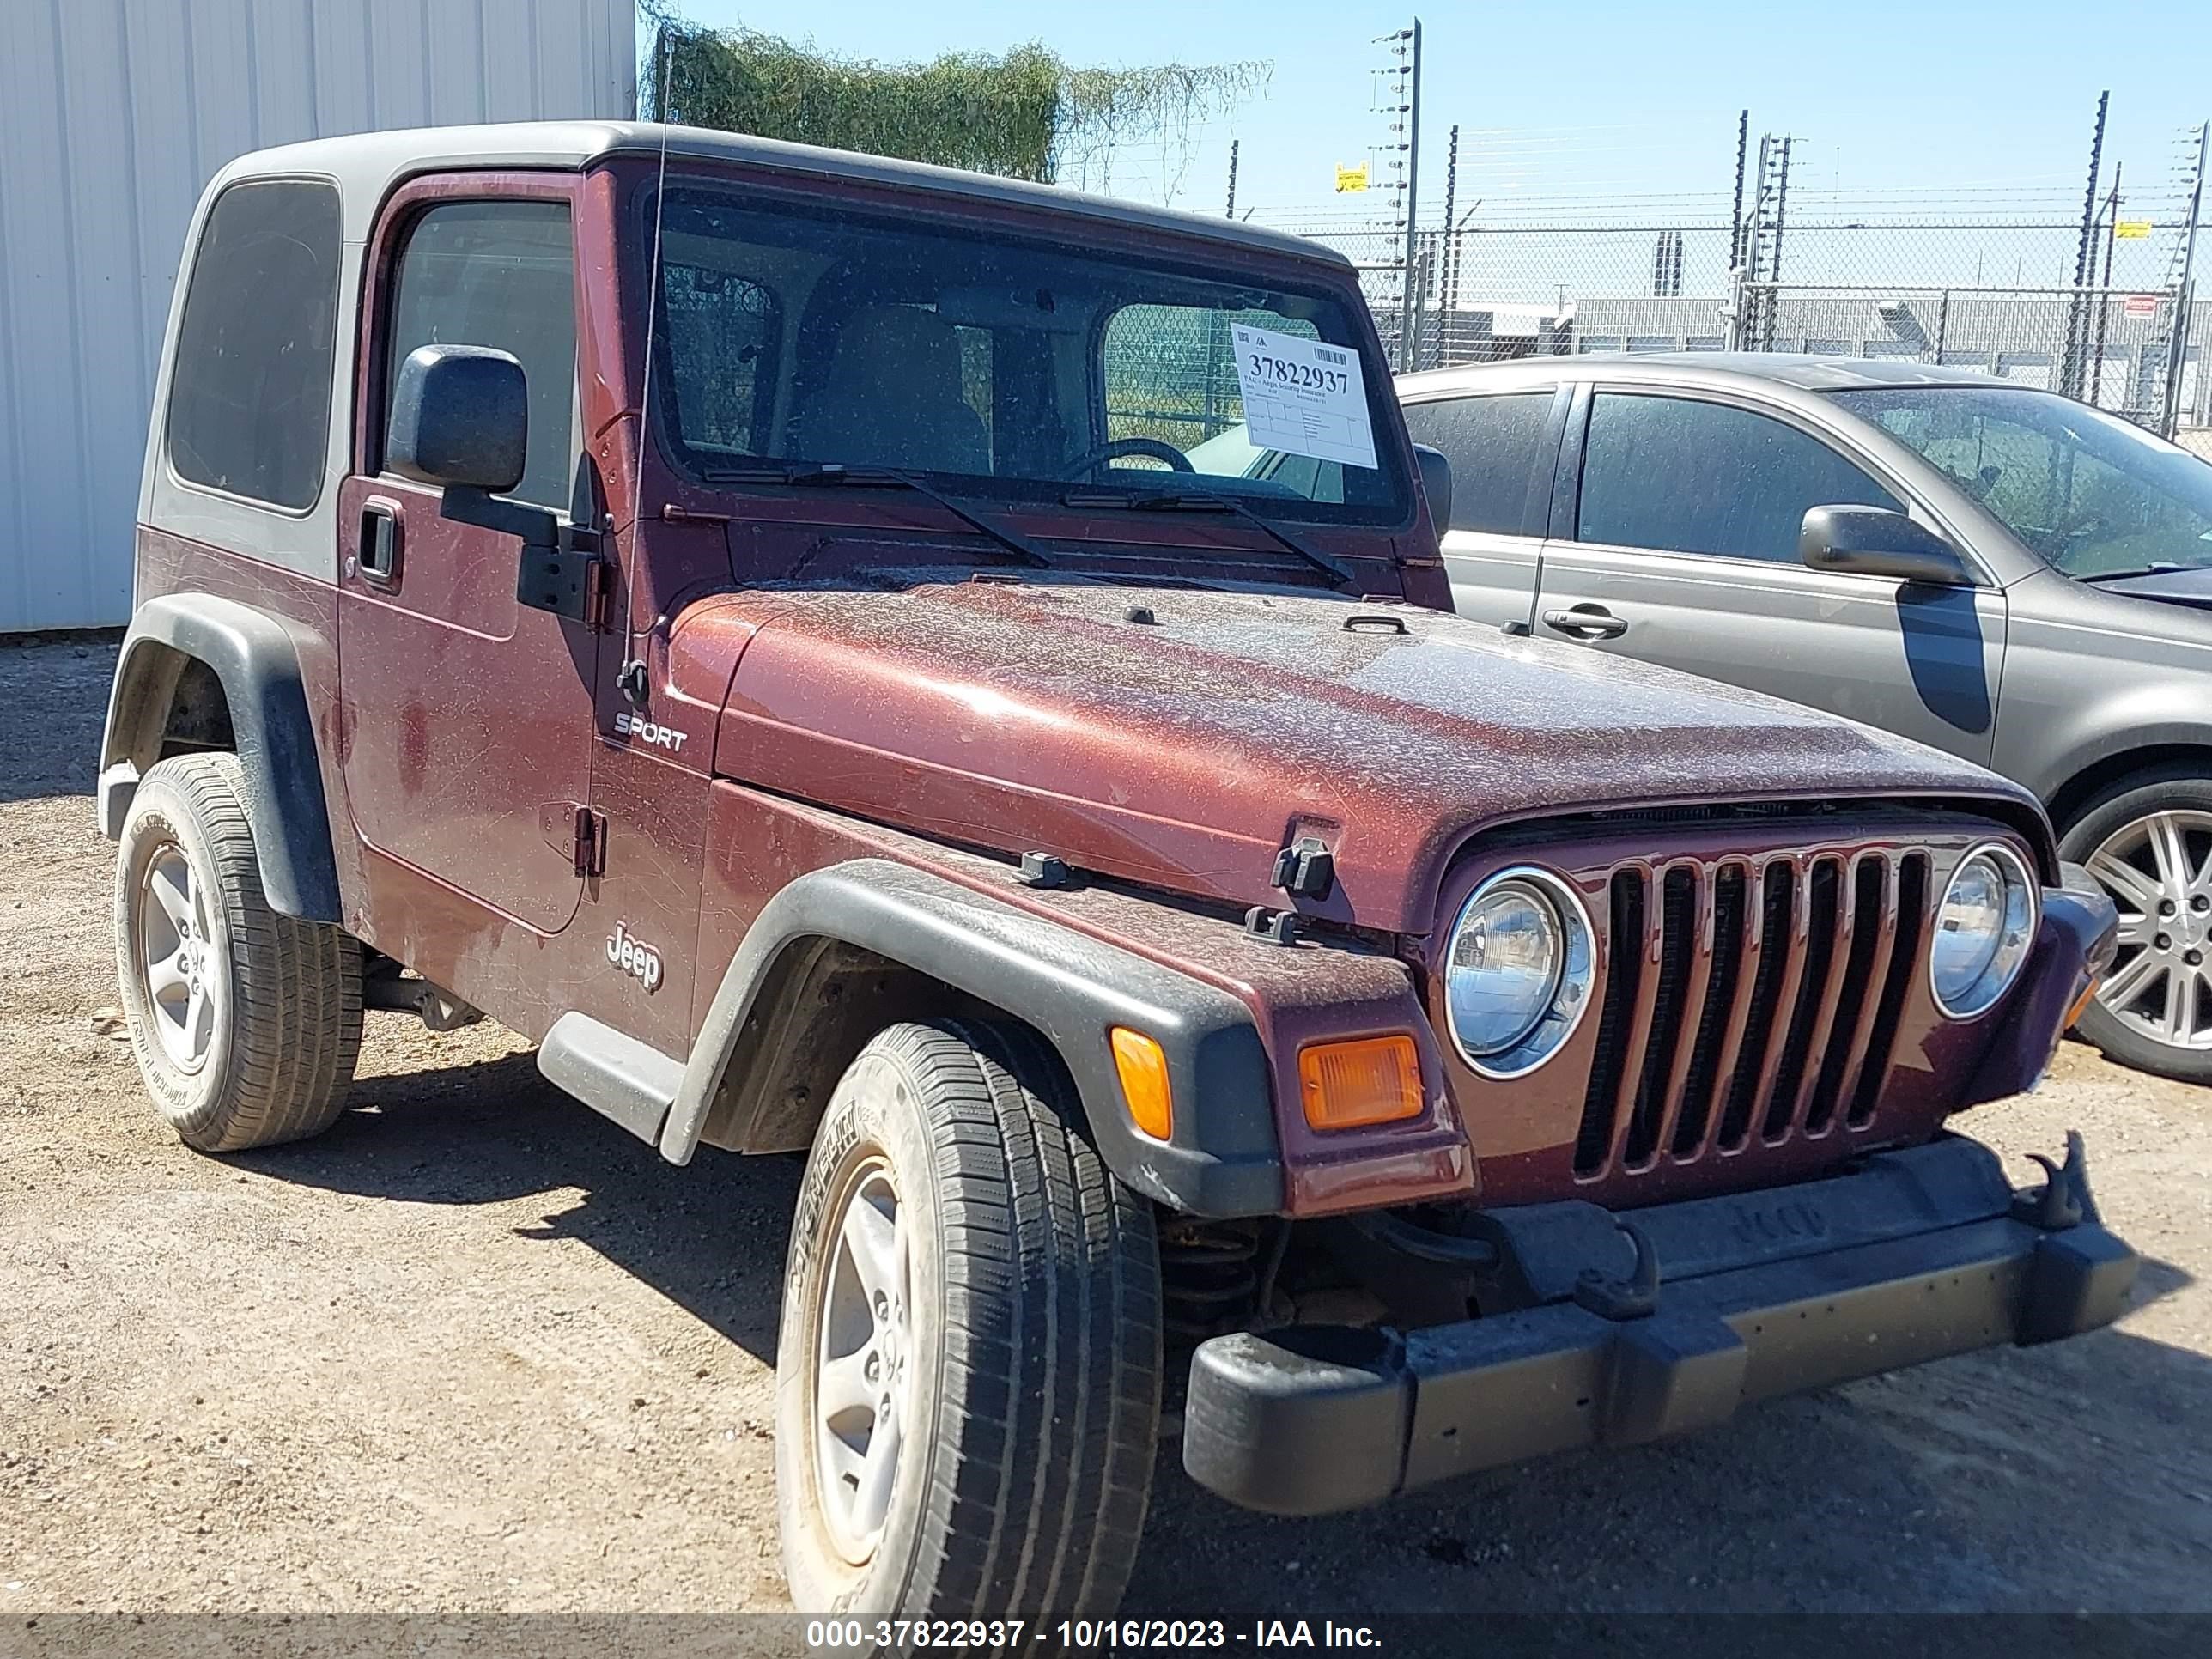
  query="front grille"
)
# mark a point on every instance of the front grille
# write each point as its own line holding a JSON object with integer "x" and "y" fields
{"x": 1746, "y": 999}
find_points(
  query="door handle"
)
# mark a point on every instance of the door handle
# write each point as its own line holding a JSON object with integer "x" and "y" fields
{"x": 380, "y": 544}
{"x": 1586, "y": 621}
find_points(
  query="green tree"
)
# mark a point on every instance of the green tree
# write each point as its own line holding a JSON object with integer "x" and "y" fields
{"x": 1026, "y": 114}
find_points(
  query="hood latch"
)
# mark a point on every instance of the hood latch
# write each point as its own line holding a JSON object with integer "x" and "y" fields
{"x": 1305, "y": 869}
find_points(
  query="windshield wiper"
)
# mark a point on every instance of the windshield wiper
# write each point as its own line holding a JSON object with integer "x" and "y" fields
{"x": 1207, "y": 502}
{"x": 804, "y": 474}
{"x": 2156, "y": 567}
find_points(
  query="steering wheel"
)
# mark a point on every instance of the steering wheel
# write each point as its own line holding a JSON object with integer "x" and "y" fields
{"x": 1153, "y": 448}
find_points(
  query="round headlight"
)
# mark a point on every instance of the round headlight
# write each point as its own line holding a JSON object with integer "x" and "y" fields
{"x": 1517, "y": 971}
{"x": 1983, "y": 931}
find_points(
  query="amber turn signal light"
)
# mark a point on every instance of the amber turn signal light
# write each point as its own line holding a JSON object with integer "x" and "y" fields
{"x": 2081, "y": 1005}
{"x": 1348, "y": 1086}
{"x": 1144, "y": 1068}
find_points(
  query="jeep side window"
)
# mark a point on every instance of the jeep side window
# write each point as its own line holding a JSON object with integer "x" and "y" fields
{"x": 1683, "y": 476}
{"x": 499, "y": 274}
{"x": 250, "y": 386}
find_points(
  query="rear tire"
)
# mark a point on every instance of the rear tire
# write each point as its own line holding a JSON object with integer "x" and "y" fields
{"x": 245, "y": 1024}
{"x": 2154, "y": 1010}
{"x": 971, "y": 1294}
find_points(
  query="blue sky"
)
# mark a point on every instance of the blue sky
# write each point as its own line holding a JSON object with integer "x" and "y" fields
{"x": 1604, "y": 98}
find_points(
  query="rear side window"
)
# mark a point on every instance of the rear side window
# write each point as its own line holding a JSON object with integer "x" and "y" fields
{"x": 1496, "y": 448}
{"x": 250, "y": 385}
{"x": 1687, "y": 477}
{"x": 498, "y": 273}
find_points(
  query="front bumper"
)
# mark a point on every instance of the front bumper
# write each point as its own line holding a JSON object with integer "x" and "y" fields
{"x": 1917, "y": 1255}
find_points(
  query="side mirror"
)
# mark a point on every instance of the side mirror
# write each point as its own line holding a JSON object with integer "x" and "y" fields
{"x": 1877, "y": 541}
{"x": 1436, "y": 484}
{"x": 460, "y": 417}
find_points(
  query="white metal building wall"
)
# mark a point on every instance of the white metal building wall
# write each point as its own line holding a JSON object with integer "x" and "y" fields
{"x": 113, "y": 113}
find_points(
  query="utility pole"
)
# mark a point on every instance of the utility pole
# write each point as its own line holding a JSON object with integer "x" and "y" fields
{"x": 1773, "y": 298}
{"x": 1410, "y": 44}
{"x": 2070, "y": 374}
{"x": 1735, "y": 219}
{"x": 1781, "y": 209}
{"x": 2104, "y": 300}
{"x": 2177, "y": 351}
{"x": 1231, "y": 209}
{"x": 1448, "y": 276}
{"x": 1751, "y": 328}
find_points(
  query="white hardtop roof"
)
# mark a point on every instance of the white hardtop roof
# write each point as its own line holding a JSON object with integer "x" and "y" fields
{"x": 368, "y": 165}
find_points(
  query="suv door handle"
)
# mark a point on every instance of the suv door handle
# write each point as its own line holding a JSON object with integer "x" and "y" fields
{"x": 1586, "y": 621}
{"x": 381, "y": 539}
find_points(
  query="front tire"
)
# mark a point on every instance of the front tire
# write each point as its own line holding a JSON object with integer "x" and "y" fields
{"x": 245, "y": 1024}
{"x": 2149, "y": 842}
{"x": 968, "y": 1374}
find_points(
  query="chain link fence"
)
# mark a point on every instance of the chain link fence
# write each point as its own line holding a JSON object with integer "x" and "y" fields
{"x": 1996, "y": 294}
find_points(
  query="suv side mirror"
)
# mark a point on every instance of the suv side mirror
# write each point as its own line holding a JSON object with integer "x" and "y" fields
{"x": 1877, "y": 541}
{"x": 1436, "y": 484}
{"x": 461, "y": 416}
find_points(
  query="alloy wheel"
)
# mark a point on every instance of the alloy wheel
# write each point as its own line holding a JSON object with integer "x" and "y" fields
{"x": 862, "y": 1367}
{"x": 2158, "y": 869}
{"x": 179, "y": 958}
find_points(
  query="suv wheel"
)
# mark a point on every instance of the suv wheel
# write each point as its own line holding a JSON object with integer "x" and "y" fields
{"x": 2149, "y": 844}
{"x": 968, "y": 1376}
{"x": 245, "y": 1024}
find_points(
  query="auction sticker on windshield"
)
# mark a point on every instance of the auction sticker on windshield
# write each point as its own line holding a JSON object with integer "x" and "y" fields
{"x": 1303, "y": 397}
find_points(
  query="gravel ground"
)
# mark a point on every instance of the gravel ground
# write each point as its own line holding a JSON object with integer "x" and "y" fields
{"x": 476, "y": 1350}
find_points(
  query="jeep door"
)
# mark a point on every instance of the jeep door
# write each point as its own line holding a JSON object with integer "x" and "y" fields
{"x": 1502, "y": 446}
{"x": 468, "y": 714}
{"x": 1674, "y": 539}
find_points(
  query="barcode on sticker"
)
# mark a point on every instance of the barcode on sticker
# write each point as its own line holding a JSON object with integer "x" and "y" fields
{"x": 1329, "y": 356}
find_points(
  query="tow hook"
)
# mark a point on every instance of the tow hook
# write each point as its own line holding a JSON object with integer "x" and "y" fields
{"x": 1634, "y": 1297}
{"x": 2064, "y": 1200}
{"x": 2080, "y": 1275}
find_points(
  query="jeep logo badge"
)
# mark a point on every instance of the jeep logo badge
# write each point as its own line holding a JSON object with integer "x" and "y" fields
{"x": 626, "y": 955}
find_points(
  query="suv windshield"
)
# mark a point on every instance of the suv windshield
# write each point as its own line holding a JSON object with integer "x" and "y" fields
{"x": 996, "y": 366}
{"x": 2091, "y": 494}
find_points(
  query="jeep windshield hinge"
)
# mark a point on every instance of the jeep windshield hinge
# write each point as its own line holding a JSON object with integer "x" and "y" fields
{"x": 591, "y": 842}
{"x": 568, "y": 579}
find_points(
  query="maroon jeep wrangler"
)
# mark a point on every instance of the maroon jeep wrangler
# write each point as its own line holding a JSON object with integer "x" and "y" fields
{"x": 793, "y": 635}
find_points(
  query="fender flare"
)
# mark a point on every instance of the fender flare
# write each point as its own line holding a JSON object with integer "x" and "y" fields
{"x": 1223, "y": 1156}
{"x": 253, "y": 657}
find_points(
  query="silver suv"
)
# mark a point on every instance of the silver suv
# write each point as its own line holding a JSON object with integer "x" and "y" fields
{"x": 2004, "y": 573}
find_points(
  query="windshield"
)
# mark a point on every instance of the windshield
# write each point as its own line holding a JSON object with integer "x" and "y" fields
{"x": 2091, "y": 494}
{"x": 1000, "y": 368}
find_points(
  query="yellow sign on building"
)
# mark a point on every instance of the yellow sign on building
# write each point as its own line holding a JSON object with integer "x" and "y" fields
{"x": 1351, "y": 179}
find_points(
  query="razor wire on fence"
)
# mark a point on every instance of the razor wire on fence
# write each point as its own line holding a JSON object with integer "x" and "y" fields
{"x": 1991, "y": 292}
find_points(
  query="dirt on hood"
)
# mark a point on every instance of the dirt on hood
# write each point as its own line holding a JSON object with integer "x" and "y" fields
{"x": 1179, "y": 736}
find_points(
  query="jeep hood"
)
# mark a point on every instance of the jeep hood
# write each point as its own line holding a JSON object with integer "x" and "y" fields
{"x": 1177, "y": 737}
